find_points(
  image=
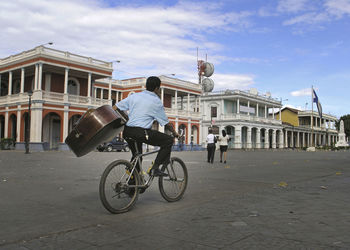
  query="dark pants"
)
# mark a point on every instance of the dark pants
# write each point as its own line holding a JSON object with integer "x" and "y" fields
{"x": 211, "y": 152}
{"x": 155, "y": 138}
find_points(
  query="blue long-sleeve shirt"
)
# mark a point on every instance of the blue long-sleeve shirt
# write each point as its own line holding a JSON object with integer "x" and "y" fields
{"x": 144, "y": 108}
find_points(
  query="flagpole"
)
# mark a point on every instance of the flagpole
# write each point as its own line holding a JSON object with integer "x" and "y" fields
{"x": 312, "y": 115}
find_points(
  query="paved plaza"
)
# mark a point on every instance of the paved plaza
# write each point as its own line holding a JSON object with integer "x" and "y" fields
{"x": 258, "y": 200}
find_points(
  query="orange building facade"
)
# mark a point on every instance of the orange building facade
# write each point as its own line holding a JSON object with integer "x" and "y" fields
{"x": 65, "y": 85}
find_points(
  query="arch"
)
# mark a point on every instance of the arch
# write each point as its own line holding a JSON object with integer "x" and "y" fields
{"x": 230, "y": 131}
{"x": 278, "y": 138}
{"x": 2, "y": 126}
{"x": 72, "y": 121}
{"x": 13, "y": 126}
{"x": 270, "y": 137}
{"x": 73, "y": 86}
{"x": 254, "y": 136}
{"x": 263, "y": 140}
{"x": 244, "y": 136}
{"x": 194, "y": 134}
{"x": 51, "y": 132}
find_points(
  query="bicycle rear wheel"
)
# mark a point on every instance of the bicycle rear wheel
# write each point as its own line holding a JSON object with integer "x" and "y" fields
{"x": 115, "y": 193}
{"x": 173, "y": 186}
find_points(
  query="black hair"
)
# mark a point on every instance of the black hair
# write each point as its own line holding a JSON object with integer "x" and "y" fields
{"x": 152, "y": 83}
{"x": 210, "y": 130}
{"x": 223, "y": 133}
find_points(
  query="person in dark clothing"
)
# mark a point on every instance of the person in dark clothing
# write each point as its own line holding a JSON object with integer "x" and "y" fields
{"x": 211, "y": 146}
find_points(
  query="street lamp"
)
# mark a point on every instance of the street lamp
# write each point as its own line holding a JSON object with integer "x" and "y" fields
{"x": 30, "y": 93}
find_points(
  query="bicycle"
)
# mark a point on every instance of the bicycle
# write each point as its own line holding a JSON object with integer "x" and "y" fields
{"x": 121, "y": 182}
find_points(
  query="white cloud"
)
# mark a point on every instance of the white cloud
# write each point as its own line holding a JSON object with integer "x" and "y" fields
{"x": 302, "y": 92}
{"x": 146, "y": 39}
{"x": 232, "y": 81}
{"x": 292, "y": 5}
{"x": 338, "y": 7}
{"x": 308, "y": 18}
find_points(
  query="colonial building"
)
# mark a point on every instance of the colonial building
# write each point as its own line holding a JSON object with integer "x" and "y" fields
{"x": 65, "y": 85}
{"x": 61, "y": 83}
{"x": 307, "y": 128}
{"x": 245, "y": 117}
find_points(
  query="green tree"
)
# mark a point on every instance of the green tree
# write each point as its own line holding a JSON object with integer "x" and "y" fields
{"x": 346, "y": 119}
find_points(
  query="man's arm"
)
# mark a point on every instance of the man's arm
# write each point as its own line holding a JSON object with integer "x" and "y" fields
{"x": 170, "y": 127}
{"x": 122, "y": 113}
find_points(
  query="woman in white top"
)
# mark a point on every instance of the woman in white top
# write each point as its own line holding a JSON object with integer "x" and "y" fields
{"x": 224, "y": 139}
{"x": 211, "y": 146}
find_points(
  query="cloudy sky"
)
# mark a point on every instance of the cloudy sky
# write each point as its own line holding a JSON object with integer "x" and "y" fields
{"x": 278, "y": 46}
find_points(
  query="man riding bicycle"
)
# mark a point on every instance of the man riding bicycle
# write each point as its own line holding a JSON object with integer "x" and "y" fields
{"x": 144, "y": 108}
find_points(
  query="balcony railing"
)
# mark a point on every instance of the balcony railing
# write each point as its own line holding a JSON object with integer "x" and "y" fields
{"x": 184, "y": 113}
{"x": 47, "y": 96}
{"x": 251, "y": 118}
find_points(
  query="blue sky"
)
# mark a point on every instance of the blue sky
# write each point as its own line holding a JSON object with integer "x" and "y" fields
{"x": 281, "y": 46}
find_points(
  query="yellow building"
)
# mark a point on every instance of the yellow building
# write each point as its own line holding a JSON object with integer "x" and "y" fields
{"x": 305, "y": 128}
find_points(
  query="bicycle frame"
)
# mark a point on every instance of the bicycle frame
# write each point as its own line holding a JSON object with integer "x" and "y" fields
{"x": 137, "y": 159}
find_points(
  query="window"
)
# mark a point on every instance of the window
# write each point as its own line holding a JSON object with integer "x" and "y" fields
{"x": 213, "y": 112}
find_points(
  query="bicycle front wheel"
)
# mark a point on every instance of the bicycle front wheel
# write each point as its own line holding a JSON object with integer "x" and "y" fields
{"x": 173, "y": 186}
{"x": 116, "y": 194}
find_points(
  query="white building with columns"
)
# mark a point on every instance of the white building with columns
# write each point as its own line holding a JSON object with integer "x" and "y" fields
{"x": 245, "y": 117}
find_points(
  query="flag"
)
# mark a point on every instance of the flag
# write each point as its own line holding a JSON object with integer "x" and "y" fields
{"x": 315, "y": 100}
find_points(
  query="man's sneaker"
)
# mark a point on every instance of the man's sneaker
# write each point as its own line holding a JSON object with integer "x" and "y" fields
{"x": 156, "y": 172}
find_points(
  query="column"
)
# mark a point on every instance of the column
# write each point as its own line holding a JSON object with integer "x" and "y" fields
{"x": 265, "y": 111}
{"x": 66, "y": 81}
{"x": 65, "y": 122}
{"x": 329, "y": 140}
{"x": 238, "y": 137}
{"x": 176, "y": 101}
{"x": 238, "y": 106}
{"x": 22, "y": 82}
{"x": 298, "y": 139}
{"x": 274, "y": 138}
{"x": 292, "y": 139}
{"x": 281, "y": 139}
{"x": 40, "y": 76}
{"x": 249, "y": 137}
{"x": 162, "y": 95}
{"x": 110, "y": 89}
{"x": 95, "y": 92}
{"x": 10, "y": 84}
{"x": 89, "y": 86}
{"x": 36, "y": 77}
{"x": 35, "y": 122}
{"x": 286, "y": 139}
{"x": 248, "y": 107}
{"x": 188, "y": 104}
{"x": 199, "y": 104}
{"x": 258, "y": 139}
{"x": 267, "y": 139}
{"x": 189, "y": 131}
{"x": 257, "y": 110}
{"x": 6, "y": 131}
{"x": 18, "y": 123}
{"x": 273, "y": 113}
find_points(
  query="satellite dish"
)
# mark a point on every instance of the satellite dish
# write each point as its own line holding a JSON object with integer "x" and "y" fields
{"x": 209, "y": 69}
{"x": 208, "y": 85}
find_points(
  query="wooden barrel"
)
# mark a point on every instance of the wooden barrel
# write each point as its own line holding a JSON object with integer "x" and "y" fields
{"x": 93, "y": 128}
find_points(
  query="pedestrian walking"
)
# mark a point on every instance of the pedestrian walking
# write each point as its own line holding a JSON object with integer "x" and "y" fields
{"x": 223, "y": 142}
{"x": 211, "y": 139}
